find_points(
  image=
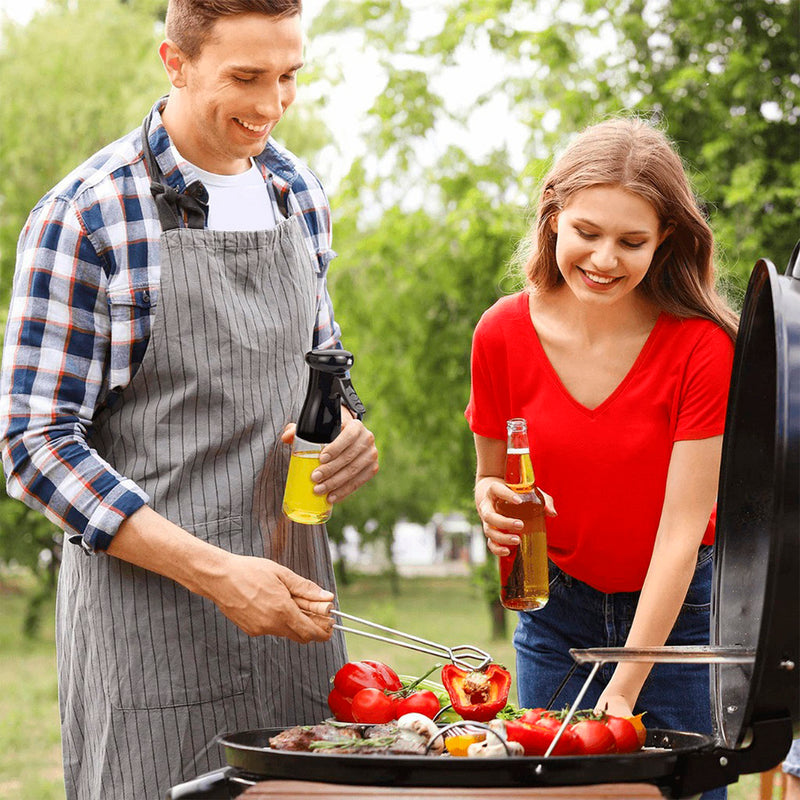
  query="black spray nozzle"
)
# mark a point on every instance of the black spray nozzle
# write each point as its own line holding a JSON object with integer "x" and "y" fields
{"x": 335, "y": 362}
{"x": 328, "y": 387}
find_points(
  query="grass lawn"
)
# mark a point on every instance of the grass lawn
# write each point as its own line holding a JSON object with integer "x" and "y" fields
{"x": 447, "y": 610}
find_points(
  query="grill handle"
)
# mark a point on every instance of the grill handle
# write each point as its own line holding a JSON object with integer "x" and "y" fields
{"x": 210, "y": 786}
{"x": 697, "y": 771}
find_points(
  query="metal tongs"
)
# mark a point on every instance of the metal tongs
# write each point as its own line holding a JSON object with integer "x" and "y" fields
{"x": 462, "y": 655}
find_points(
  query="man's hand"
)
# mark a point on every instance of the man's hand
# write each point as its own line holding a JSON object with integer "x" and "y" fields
{"x": 262, "y": 597}
{"x": 348, "y": 462}
{"x": 256, "y": 594}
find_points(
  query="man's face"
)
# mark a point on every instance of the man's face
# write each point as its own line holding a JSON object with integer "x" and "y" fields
{"x": 235, "y": 91}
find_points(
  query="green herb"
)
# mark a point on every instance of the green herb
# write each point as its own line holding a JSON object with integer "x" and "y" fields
{"x": 511, "y": 712}
{"x": 359, "y": 744}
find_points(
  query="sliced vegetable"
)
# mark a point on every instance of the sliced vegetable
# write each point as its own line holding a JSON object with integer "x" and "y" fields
{"x": 477, "y": 694}
{"x": 458, "y": 745}
{"x": 641, "y": 731}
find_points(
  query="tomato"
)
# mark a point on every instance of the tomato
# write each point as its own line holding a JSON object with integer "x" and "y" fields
{"x": 372, "y": 706}
{"x": 422, "y": 701}
{"x": 390, "y": 678}
{"x": 626, "y": 737}
{"x": 357, "y": 675}
{"x": 568, "y": 743}
{"x": 594, "y": 737}
{"x": 340, "y": 706}
{"x": 533, "y": 737}
{"x": 532, "y": 714}
{"x": 641, "y": 731}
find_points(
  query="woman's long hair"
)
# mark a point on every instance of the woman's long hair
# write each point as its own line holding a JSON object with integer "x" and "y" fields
{"x": 635, "y": 156}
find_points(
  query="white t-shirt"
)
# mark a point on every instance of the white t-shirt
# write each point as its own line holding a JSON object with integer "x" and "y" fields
{"x": 238, "y": 202}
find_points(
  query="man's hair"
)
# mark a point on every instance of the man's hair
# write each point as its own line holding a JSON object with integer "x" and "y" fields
{"x": 190, "y": 22}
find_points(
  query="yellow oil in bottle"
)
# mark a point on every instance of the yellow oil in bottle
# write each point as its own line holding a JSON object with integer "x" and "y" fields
{"x": 299, "y": 501}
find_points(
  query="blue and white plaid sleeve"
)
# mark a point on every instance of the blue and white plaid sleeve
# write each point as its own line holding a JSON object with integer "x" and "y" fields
{"x": 54, "y": 357}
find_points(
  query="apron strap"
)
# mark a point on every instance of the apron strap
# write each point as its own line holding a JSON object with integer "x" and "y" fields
{"x": 175, "y": 209}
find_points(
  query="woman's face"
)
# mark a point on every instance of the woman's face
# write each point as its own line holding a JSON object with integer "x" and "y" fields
{"x": 606, "y": 238}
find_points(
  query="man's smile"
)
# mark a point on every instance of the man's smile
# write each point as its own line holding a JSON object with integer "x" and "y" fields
{"x": 260, "y": 129}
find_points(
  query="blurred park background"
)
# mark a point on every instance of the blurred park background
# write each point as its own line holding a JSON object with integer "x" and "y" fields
{"x": 430, "y": 122}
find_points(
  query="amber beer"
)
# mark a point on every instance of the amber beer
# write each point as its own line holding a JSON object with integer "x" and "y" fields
{"x": 524, "y": 579}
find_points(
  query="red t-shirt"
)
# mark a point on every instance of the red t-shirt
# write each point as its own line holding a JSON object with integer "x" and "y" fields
{"x": 606, "y": 467}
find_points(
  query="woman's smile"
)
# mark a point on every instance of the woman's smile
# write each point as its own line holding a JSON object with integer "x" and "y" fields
{"x": 596, "y": 280}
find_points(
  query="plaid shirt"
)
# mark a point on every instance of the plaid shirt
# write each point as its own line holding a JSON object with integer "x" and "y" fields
{"x": 85, "y": 293}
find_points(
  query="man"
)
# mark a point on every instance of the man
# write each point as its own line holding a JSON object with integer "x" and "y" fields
{"x": 165, "y": 295}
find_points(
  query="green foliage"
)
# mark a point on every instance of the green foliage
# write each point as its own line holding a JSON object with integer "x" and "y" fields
{"x": 410, "y": 286}
{"x": 408, "y": 294}
{"x": 723, "y": 77}
{"x": 94, "y": 67}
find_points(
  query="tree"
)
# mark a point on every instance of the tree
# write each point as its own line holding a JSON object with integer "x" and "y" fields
{"x": 722, "y": 77}
{"x": 408, "y": 293}
{"x": 425, "y": 245}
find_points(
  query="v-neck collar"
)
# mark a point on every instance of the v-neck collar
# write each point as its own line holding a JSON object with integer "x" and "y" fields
{"x": 620, "y": 387}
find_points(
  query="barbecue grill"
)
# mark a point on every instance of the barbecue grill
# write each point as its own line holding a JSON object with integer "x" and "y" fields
{"x": 754, "y": 649}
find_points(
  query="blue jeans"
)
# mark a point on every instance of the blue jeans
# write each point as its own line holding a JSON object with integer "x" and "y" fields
{"x": 792, "y": 762}
{"x": 675, "y": 696}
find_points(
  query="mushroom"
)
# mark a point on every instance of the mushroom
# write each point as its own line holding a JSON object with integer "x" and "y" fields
{"x": 495, "y": 749}
{"x": 498, "y": 727}
{"x": 424, "y": 726}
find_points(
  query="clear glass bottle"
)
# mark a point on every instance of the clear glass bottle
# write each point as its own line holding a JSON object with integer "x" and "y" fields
{"x": 524, "y": 577}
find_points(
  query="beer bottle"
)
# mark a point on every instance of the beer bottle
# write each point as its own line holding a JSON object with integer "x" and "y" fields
{"x": 524, "y": 580}
{"x": 319, "y": 423}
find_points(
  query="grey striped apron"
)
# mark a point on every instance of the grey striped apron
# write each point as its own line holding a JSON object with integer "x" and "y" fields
{"x": 149, "y": 673}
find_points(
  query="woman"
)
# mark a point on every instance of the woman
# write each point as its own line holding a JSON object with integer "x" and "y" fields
{"x": 618, "y": 353}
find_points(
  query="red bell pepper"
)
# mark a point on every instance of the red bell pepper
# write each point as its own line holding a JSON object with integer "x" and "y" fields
{"x": 477, "y": 694}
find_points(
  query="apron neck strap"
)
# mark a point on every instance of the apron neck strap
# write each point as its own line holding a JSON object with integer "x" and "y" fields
{"x": 175, "y": 209}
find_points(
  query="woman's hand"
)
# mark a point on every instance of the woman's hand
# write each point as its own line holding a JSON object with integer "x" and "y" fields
{"x": 501, "y": 532}
{"x": 614, "y": 704}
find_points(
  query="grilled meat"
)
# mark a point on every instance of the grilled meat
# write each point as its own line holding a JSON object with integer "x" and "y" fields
{"x": 300, "y": 737}
{"x": 371, "y": 739}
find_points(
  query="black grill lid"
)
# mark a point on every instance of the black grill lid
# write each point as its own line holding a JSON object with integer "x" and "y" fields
{"x": 756, "y": 594}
